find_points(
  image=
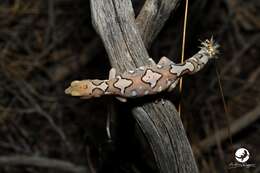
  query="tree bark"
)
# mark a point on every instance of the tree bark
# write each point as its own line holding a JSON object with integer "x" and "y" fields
{"x": 114, "y": 22}
{"x": 152, "y": 17}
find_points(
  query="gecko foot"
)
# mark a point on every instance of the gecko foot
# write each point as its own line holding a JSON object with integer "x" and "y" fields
{"x": 121, "y": 99}
{"x": 164, "y": 61}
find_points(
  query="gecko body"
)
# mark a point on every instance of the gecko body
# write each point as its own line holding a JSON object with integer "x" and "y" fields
{"x": 145, "y": 80}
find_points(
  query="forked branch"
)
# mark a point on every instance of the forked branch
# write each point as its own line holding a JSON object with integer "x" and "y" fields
{"x": 114, "y": 21}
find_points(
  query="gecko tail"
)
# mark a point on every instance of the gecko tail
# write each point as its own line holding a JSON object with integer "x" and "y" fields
{"x": 210, "y": 47}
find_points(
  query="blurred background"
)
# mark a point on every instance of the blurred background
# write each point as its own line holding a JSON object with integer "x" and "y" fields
{"x": 45, "y": 44}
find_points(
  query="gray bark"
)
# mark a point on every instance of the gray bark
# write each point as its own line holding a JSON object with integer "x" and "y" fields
{"x": 152, "y": 18}
{"x": 114, "y": 22}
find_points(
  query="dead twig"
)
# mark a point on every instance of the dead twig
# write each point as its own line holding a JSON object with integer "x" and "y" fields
{"x": 42, "y": 162}
{"x": 235, "y": 127}
{"x": 161, "y": 124}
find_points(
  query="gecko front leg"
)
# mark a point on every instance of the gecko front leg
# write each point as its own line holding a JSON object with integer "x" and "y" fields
{"x": 121, "y": 99}
{"x": 112, "y": 74}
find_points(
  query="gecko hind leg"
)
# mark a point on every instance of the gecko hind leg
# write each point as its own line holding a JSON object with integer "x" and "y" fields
{"x": 173, "y": 85}
{"x": 164, "y": 61}
{"x": 151, "y": 61}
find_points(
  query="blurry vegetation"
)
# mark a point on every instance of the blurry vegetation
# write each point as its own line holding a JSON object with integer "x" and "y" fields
{"x": 45, "y": 44}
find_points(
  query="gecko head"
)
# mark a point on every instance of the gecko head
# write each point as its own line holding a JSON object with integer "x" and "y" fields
{"x": 80, "y": 88}
{"x": 210, "y": 47}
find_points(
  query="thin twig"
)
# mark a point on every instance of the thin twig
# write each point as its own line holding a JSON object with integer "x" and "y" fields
{"x": 235, "y": 127}
{"x": 41, "y": 162}
{"x": 183, "y": 45}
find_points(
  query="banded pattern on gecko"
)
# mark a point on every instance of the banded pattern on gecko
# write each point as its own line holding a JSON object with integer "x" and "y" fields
{"x": 144, "y": 80}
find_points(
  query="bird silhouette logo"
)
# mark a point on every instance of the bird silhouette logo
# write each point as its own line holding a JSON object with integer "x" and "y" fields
{"x": 242, "y": 155}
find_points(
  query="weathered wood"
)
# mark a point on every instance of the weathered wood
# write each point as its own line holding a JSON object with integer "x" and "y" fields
{"x": 161, "y": 124}
{"x": 152, "y": 17}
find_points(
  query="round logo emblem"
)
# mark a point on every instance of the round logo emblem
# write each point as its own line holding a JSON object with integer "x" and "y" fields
{"x": 242, "y": 155}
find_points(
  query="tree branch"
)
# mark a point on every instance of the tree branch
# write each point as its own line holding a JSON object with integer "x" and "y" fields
{"x": 152, "y": 17}
{"x": 114, "y": 21}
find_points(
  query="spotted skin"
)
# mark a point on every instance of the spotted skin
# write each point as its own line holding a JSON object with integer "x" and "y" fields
{"x": 151, "y": 77}
{"x": 122, "y": 84}
{"x": 145, "y": 80}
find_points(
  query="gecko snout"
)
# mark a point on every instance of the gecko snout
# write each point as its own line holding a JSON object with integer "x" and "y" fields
{"x": 77, "y": 88}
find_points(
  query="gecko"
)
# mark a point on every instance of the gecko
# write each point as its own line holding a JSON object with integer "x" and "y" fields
{"x": 144, "y": 80}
